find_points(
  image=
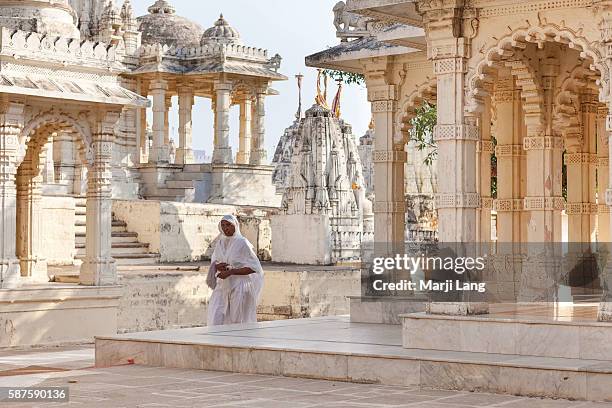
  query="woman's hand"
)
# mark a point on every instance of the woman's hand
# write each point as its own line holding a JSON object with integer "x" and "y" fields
{"x": 225, "y": 273}
{"x": 222, "y": 267}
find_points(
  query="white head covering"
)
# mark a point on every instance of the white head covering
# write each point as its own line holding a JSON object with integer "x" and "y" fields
{"x": 237, "y": 252}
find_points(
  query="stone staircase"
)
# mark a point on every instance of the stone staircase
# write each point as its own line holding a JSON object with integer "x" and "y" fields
{"x": 181, "y": 185}
{"x": 126, "y": 249}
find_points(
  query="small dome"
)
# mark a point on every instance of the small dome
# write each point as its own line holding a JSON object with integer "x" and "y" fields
{"x": 221, "y": 33}
{"x": 162, "y": 25}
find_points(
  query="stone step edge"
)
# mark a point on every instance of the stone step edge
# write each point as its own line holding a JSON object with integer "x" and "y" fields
{"x": 462, "y": 357}
{"x": 509, "y": 320}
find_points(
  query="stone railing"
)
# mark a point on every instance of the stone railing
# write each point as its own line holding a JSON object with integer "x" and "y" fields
{"x": 22, "y": 44}
{"x": 229, "y": 50}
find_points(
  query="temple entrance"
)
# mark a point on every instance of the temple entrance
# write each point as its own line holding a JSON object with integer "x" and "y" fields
{"x": 37, "y": 175}
{"x": 92, "y": 139}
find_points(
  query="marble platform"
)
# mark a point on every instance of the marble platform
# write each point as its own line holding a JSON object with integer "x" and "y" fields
{"x": 52, "y": 314}
{"x": 531, "y": 330}
{"x": 333, "y": 348}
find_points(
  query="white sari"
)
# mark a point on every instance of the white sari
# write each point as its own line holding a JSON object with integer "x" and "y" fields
{"x": 234, "y": 300}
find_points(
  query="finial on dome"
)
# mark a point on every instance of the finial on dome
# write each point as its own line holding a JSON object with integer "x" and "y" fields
{"x": 161, "y": 7}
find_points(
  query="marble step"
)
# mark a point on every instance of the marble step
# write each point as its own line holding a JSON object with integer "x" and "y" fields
{"x": 119, "y": 248}
{"x": 124, "y": 259}
{"x": 116, "y": 237}
{"x": 117, "y": 226}
{"x": 354, "y": 359}
{"x": 526, "y": 336}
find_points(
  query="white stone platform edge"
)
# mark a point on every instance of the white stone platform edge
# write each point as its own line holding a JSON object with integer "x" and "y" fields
{"x": 369, "y": 363}
{"x": 522, "y": 319}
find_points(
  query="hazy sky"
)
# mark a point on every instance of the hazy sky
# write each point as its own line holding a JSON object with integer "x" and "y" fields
{"x": 291, "y": 28}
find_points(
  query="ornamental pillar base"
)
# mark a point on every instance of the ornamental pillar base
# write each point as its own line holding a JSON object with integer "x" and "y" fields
{"x": 258, "y": 157}
{"x": 222, "y": 155}
{"x": 98, "y": 272}
{"x": 184, "y": 156}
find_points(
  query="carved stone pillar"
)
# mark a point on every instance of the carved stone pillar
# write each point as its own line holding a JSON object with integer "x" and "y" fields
{"x": 99, "y": 267}
{"x": 47, "y": 161}
{"x": 29, "y": 212}
{"x": 168, "y": 104}
{"x": 581, "y": 164}
{"x": 389, "y": 165}
{"x": 605, "y": 307}
{"x": 544, "y": 149}
{"x": 457, "y": 137}
{"x": 485, "y": 151}
{"x": 142, "y": 141}
{"x": 159, "y": 151}
{"x": 246, "y": 127}
{"x": 509, "y": 151}
{"x": 222, "y": 153}
{"x": 603, "y": 168}
{"x": 184, "y": 153}
{"x": 11, "y": 123}
{"x": 64, "y": 157}
{"x": 258, "y": 150}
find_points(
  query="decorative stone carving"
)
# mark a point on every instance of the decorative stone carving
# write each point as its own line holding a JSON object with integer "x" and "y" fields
{"x": 349, "y": 25}
{"x": 325, "y": 179}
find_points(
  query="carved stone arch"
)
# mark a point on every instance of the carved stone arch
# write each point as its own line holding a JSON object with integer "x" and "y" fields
{"x": 51, "y": 121}
{"x": 567, "y": 117}
{"x": 518, "y": 40}
{"x": 423, "y": 92}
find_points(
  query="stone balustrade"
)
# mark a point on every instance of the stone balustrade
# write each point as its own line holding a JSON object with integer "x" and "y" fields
{"x": 22, "y": 44}
{"x": 232, "y": 50}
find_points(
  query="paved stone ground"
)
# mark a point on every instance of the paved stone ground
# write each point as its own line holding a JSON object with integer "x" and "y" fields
{"x": 137, "y": 386}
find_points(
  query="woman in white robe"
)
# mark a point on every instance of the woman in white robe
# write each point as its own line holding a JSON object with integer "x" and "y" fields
{"x": 236, "y": 277}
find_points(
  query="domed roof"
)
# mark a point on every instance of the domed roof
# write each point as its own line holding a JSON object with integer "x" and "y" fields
{"x": 221, "y": 33}
{"x": 162, "y": 25}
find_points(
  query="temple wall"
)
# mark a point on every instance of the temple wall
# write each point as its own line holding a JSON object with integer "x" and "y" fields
{"x": 156, "y": 301}
{"x": 304, "y": 239}
{"x": 58, "y": 213}
{"x": 182, "y": 232}
{"x": 244, "y": 186}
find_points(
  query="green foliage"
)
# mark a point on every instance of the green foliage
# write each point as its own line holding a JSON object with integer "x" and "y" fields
{"x": 422, "y": 131}
{"x": 348, "y": 78}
